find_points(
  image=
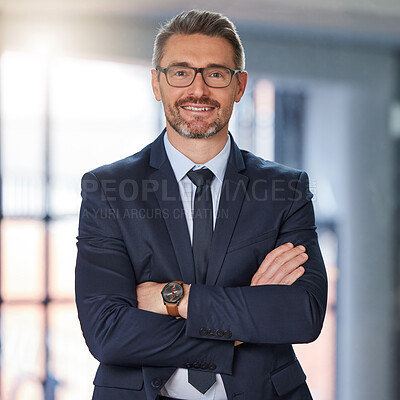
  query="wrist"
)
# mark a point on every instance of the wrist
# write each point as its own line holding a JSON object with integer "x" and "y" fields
{"x": 175, "y": 295}
{"x": 183, "y": 304}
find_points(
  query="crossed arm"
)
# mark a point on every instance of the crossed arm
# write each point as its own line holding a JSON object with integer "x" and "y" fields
{"x": 285, "y": 302}
{"x": 282, "y": 266}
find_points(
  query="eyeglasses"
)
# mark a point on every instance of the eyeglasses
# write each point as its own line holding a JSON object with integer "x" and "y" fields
{"x": 215, "y": 77}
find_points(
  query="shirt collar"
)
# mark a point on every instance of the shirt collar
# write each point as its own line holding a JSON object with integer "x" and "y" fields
{"x": 182, "y": 164}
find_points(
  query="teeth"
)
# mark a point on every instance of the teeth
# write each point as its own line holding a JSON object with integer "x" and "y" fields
{"x": 198, "y": 108}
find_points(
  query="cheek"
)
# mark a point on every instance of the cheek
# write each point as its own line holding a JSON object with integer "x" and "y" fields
{"x": 163, "y": 94}
{"x": 227, "y": 103}
{"x": 169, "y": 97}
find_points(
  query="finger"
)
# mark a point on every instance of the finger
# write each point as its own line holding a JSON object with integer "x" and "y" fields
{"x": 273, "y": 265}
{"x": 293, "y": 276}
{"x": 272, "y": 255}
{"x": 288, "y": 267}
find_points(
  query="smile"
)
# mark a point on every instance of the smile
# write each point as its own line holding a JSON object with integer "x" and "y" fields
{"x": 191, "y": 108}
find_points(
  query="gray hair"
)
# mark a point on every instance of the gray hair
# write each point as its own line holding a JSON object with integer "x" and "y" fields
{"x": 204, "y": 22}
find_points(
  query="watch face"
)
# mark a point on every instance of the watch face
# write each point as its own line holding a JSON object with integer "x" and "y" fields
{"x": 172, "y": 292}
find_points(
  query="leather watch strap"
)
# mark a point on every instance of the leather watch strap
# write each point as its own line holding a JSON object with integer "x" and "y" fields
{"x": 172, "y": 309}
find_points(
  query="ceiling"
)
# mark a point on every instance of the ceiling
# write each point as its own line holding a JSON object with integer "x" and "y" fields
{"x": 369, "y": 20}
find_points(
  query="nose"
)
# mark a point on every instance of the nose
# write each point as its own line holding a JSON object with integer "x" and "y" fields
{"x": 198, "y": 88}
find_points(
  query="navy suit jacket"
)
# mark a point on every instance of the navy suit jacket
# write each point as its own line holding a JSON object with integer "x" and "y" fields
{"x": 133, "y": 229}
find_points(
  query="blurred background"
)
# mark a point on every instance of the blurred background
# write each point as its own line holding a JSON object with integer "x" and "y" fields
{"x": 323, "y": 95}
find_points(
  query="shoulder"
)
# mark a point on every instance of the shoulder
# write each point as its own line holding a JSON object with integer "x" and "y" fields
{"x": 281, "y": 180}
{"x": 257, "y": 167}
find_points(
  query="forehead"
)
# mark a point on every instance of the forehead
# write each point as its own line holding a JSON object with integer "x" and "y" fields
{"x": 198, "y": 50}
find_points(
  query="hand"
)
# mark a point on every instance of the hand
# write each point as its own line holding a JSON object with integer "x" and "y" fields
{"x": 282, "y": 266}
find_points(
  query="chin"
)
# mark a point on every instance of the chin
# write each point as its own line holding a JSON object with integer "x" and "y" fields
{"x": 197, "y": 135}
{"x": 192, "y": 132}
{"x": 195, "y": 129}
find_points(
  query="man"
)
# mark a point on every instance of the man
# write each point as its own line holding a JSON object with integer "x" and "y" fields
{"x": 198, "y": 263}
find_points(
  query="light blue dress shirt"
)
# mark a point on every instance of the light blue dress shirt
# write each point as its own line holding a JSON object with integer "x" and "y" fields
{"x": 178, "y": 385}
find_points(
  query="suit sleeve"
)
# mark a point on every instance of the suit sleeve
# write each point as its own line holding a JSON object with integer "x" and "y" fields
{"x": 115, "y": 330}
{"x": 270, "y": 314}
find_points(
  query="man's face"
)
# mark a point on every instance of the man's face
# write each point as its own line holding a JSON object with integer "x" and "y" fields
{"x": 197, "y": 111}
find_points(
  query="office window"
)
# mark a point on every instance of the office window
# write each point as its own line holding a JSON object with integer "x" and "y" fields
{"x": 60, "y": 118}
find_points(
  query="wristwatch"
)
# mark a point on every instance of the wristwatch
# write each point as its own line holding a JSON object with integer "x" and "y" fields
{"x": 172, "y": 294}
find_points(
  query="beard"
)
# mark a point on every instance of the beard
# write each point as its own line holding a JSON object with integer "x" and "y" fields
{"x": 197, "y": 128}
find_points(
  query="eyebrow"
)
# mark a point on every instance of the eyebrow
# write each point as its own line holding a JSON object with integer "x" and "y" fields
{"x": 186, "y": 64}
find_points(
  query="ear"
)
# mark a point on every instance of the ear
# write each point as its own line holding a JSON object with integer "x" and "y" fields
{"x": 155, "y": 83}
{"x": 241, "y": 87}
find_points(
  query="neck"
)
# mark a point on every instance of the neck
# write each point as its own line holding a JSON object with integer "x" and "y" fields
{"x": 198, "y": 150}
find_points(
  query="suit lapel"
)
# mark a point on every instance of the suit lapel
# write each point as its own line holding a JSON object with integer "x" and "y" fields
{"x": 167, "y": 192}
{"x": 231, "y": 200}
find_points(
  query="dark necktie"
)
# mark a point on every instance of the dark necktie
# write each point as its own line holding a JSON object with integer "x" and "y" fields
{"x": 202, "y": 236}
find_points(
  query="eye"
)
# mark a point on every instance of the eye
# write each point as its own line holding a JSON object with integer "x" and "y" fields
{"x": 179, "y": 72}
{"x": 217, "y": 73}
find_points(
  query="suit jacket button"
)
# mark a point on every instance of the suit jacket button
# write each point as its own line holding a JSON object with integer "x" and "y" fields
{"x": 212, "y": 366}
{"x": 220, "y": 333}
{"x": 188, "y": 365}
{"x": 203, "y": 331}
{"x": 196, "y": 365}
{"x": 205, "y": 365}
{"x": 156, "y": 383}
{"x": 228, "y": 334}
{"x": 211, "y": 332}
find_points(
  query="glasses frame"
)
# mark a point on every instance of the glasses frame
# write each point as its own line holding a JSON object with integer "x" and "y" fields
{"x": 196, "y": 71}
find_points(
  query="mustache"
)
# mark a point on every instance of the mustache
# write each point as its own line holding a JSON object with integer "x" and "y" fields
{"x": 198, "y": 100}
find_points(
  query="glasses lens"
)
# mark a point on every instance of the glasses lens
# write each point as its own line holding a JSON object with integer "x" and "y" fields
{"x": 217, "y": 77}
{"x": 180, "y": 76}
